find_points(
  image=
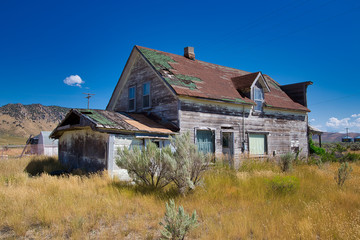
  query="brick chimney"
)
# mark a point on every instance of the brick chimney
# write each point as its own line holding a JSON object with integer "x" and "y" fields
{"x": 189, "y": 53}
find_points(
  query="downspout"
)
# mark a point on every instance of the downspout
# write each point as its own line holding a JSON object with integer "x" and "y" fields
{"x": 243, "y": 127}
{"x": 242, "y": 130}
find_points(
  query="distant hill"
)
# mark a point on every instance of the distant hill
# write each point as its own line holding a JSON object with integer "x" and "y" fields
{"x": 18, "y": 121}
{"x": 334, "y": 137}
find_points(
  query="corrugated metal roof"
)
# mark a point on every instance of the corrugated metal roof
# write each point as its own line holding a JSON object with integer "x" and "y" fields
{"x": 110, "y": 121}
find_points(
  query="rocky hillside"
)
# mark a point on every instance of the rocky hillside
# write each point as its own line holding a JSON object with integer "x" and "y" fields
{"x": 17, "y": 120}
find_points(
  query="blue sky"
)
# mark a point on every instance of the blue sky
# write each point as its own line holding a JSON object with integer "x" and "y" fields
{"x": 44, "y": 42}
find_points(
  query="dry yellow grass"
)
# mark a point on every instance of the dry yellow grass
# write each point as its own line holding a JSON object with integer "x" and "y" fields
{"x": 230, "y": 205}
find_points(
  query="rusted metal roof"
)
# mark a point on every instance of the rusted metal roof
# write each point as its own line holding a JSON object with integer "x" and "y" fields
{"x": 123, "y": 121}
{"x": 110, "y": 121}
{"x": 196, "y": 78}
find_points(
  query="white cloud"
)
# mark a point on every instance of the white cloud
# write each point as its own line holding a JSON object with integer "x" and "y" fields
{"x": 312, "y": 120}
{"x": 335, "y": 124}
{"x": 74, "y": 80}
{"x": 355, "y": 115}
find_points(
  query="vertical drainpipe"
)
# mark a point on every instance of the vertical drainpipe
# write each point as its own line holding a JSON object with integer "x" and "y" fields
{"x": 242, "y": 130}
{"x": 243, "y": 123}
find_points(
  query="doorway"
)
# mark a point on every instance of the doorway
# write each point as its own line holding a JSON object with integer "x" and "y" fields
{"x": 228, "y": 144}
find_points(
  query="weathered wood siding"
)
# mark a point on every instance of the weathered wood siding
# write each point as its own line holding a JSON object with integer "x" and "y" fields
{"x": 285, "y": 130}
{"x": 219, "y": 117}
{"x": 83, "y": 149}
{"x": 164, "y": 104}
{"x": 117, "y": 142}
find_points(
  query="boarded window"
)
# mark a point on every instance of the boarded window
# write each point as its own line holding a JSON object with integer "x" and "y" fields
{"x": 132, "y": 94}
{"x": 205, "y": 141}
{"x": 257, "y": 144}
{"x": 146, "y": 95}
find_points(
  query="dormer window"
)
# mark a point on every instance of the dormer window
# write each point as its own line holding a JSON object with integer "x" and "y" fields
{"x": 132, "y": 99}
{"x": 258, "y": 97}
{"x": 253, "y": 86}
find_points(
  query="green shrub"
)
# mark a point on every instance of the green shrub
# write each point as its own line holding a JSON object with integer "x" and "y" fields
{"x": 351, "y": 157}
{"x": 343, "y": 173}
{"x": 330, "y": 157}
{"x": 284, "y": 184}
{"x": 157, "y": 168}
{"x": 286, "y": 162}
{"x": 355, "y": 146}
{"x": 340, "y": 148}
{"x": 147, "y": 166}
{"x": 177, "y": 223}
{"x": 315, "y": 149}
{"x": 187, "y": 163}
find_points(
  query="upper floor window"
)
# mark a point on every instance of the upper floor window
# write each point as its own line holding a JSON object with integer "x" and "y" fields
{"x": 132, "y": 100}
{"x": 258, "y": 97}
{"x": 146, "y": 95}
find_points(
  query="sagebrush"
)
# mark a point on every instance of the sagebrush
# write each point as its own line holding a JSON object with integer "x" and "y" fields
{"x": 177, "y": 223}
{"x": 179, "y": 163}
{"x": 343, "y": 173}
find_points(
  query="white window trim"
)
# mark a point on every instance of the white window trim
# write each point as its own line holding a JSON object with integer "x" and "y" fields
{"x": 261, "y": 100}
{"x": 132, "y": 110}
{"x": 142, "y": 96}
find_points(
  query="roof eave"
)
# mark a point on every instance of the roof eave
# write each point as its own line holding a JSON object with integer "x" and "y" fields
{"x": 291, "y": 109}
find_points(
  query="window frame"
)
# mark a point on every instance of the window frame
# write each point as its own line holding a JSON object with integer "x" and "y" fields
{"x": 266, "y": 142}
{"x": 147, "y": 95}
{"x": 134, "y": 98}
{"x": 257, "y": 100}
{"x": 213, "y": 136}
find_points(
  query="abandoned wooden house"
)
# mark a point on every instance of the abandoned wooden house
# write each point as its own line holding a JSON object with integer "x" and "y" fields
{"x": 227, "y": 111}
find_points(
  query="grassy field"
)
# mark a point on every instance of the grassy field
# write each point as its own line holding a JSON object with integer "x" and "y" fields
{"x": 230, "y": 205}
{"x": 11, "y": 140}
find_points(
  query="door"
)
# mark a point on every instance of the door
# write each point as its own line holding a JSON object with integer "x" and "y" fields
{"x": 257, "y": 144}
{"x": 228, "y": 143}
{"x": 205, "y": 141}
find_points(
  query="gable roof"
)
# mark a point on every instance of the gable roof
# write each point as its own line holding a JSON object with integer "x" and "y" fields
{"x": 200, "y": 79}
{"x": 245, "y": 82}
{"x": 109, "y": 121}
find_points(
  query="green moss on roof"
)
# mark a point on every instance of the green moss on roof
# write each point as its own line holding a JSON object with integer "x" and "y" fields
{"x": 158, "y": 60}
{"x": 178, "y": 82}
{"x": 188, "y": 78}
{"x": 161, "y": 61}
{"x": 101, "y": 119}
{"x": 238, "y": 100}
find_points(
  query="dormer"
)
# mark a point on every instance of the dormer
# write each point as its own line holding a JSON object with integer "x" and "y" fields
{"x": 252, "y": 86}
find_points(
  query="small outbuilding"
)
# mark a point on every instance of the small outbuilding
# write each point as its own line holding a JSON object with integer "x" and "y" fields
{"x": 42, "y": 144}
{"x": 89, "y": 139}
{"x": 347, "y": 139}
